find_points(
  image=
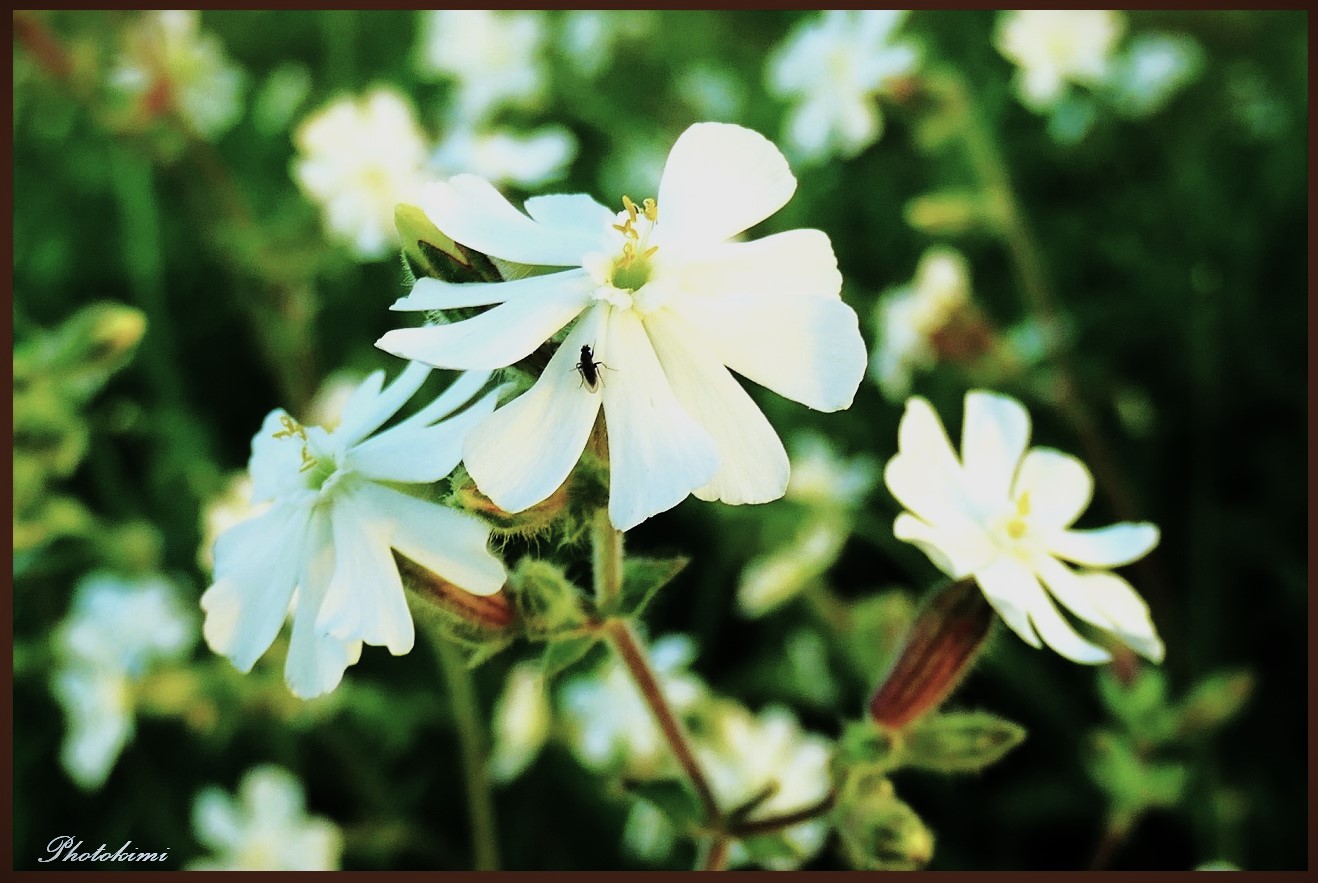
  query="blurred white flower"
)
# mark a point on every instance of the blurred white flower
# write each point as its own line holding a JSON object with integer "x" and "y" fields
{"x": 771, "y": 580}
{"x": 525, "y": 160}
{"x": 169, "y": 63}
{"x": 661, "y": 305}
{"x": 590, "y": 37}
{"x": 264, "y": 828}
{"x": 334, "y": 519}
{"x": 1152, "y": 69}
{"x": 493, "y": 57}
{"x": 1052, "y": 48}
{"x": 823, "y": 479}
{"x": 833, "y": 66}
{"x": 746, "y": 756}
{"x": 116, "y": 631}
{"x": 358, "y": 157}
{"x": 712, "y": 92}
{"x": 1002, "y": 514}
{"x": 522, "y": 718}
{"x": 909, "y": 317}
{"x": 610, "y": 728}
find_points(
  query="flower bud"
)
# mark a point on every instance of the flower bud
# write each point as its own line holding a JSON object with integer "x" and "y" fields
{"x": 940, "y": 647}
{"x": 481, "y": 614}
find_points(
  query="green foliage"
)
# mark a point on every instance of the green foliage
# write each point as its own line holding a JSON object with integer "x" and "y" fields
{"x": 642, "y": 578}
{"x": 878, "y": 831}
{"x": 959, "y": 742}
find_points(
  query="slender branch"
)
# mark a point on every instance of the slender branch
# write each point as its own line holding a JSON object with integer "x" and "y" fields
{"x": 714, "y": 854}
{"x": 632, "y": 655}
{"x": 1119, "y": 827}
{"x": 770, "y": 824}
{"x": 471, "y": 736}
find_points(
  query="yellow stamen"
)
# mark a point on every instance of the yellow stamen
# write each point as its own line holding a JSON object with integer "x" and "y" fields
{"x": 651, "y": 210}
{"x": 291, "y": 428}
{"x": 630, "y": 207}
{"x": 1023, "y": 503}
{"x": 1016, "y": 528}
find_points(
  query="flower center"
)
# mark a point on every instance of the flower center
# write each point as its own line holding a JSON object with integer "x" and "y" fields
{"x": 1013, "y": 528}
{"x": 629, "y": 270}
{"x": 318, "y": 467}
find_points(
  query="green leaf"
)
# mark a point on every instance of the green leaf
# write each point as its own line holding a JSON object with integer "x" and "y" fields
{"x": 959, "y": 742}
{"x": 642, "y": 579}
{"x": 673, "y": 797}
{"x": 1142, "y": 705}
{"x": 562, "y": 653}
{"x": 1214, "y": 701}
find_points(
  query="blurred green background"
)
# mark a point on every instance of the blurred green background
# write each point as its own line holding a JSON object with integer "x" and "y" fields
{"x": 1173, "y": 242}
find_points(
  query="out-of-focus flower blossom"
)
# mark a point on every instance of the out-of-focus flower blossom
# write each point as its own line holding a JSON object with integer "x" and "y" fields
{"x": 824, "y": 480}
{"x": 664, "y": 306}
{"x": 116, "y": 631}
{"x": 590, "y": 37}
{"x": 610, "y": 728}
{"x": 745, "y": 755}
{"x": 522, "y": 718}
{"x": 772, "y": 580}
{"x": 910, "y": 318}
{"x": 833, "y": 67}
{"x": 335, "y": 517}
{"x": 169, "y": 64}
{"x": 1053, "y": 48}
{"x": 1003, "y": 515}
{"x": 358, "y": 157}
{"x": 264, "y": 827}
{"x": 714, "y": 93}
{"x": 526, "y": 160}
{"x": 493, "y": 57}
{"x": 1151, "y": 70}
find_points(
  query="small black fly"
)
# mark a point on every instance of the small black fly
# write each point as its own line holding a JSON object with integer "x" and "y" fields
{"x": 588, "y": 368}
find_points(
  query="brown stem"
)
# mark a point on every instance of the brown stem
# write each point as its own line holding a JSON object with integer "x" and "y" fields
{"x": 770, "y": 824}
{"x": 715, "y": 857}
{"x": 1118, "y": 829}
{"x": 633, "y": 656}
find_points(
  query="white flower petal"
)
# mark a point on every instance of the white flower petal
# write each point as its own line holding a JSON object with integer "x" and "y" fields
{"x": 502, "y": 335}
{"x": 363, "y": 414}
{"x": 471, "y": 211}
{"x": 257, "y": 563}
{"x": 365, "y": 600}
{"x": 1106, "y": 547}
{"x": 753, "y": 465}
{"x": 571, "y": 211}
{"x": 925, "y": 476}
{"x": 447, "y": 542}
{"x": 316, "y": 662}
{"x": 1104, "y": 600}
{"x": 796, "y": 262}
{"x": 1013, "y": 590}
{"x": 657, "y": 453}
{"x": 994, "y": 435}
{"x": 807, "y": 349}
{"x": 957, "y": 551}
{"x": 275, "y": 461}
{"x": 419, "y": 454}
{"x": 525, "y": 450}
{"x": 458, "y": 393}
{"x": 720, "y": 179}
{"x": 1059, "y": 485}
{"x": 436, "y": 294}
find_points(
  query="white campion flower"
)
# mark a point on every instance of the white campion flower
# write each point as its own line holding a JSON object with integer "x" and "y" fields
{"x": 264, "y": 827}
{"x": 823, "y": 479}
{"x": 833, "y": 66}
{"x": 169, "y": 62}
{"x": 521, "y": 721}
{"x": 743, "y": 755}
{"x": 908, "y": 317}
{"x": 116, "y": 631}
{"x": 334, "y": 519}
{"x": 358, "y": 157}
{"x": 665, "y": 304}
{"x": 1052, "y": 48}
{"x": 1003, "y": 515}
{"x": 493, "y": 57}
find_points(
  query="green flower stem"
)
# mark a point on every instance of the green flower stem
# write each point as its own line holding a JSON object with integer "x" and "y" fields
{"x": 471, "y": 736}
{"x": 607, "y": 559}
{"x": 989, "y": 166}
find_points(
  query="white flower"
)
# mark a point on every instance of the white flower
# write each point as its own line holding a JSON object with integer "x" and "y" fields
{"x": 521, "y": 719}
{"x": 663, "y": 302}
{"x": 772, "y": 580}
{"x": 494, "y": 57}
{"x": 744, "y": 755}
{"x": 335, "y": 517}
{"x": 169, "y": 62}
{"x": 834, "y": 66}
{"x": 1054, "y": 47}
{"x": 358, "y": 157}
{"x": 823, "y": 479}
{"x": 265, "y": 829}
{"x": 609, "y": 725}
{"x": 909, "y": 317}
{"x": 116, "y": 631}
{"x": 1151, "y": 70}
{"x": 525, "y": 160}
{"x": 1003, "y": 515}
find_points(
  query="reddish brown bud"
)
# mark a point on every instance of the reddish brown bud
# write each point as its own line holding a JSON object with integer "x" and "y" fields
{"x": 489, "y": 612}
{"x": 941, "y": 645}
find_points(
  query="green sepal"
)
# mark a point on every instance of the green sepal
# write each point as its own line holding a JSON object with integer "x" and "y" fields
{"x": 863, "y": 747}
{"x": 959, "y": 742}
{"x": 428, "y": 253}
{"x": 879, "y": 832}
{"x": 642, "y": 578}
{"x": 547, "y": 601}
{"x": 562, "y": 653}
